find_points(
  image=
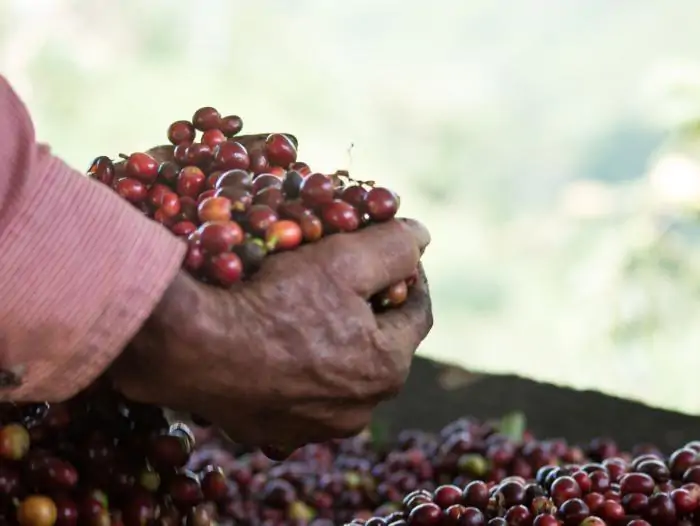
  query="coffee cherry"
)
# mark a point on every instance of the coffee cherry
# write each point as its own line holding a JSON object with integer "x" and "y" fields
{"x": 156, "y": 193}
{"x": 291, "y": 184}
{"x": 393, "y": 296}
{"x": 66, "y": 512}
{"x": 311, "y": 227}
{"x": 213, "y": 179}
{"x": 280, "y": 150}
{"x": 142, "y": 167}
{"x": 518, "y": 515}
{"x": 259, "y": 164}
{"x": 235, "y": 178}
{"x": 681, "y": 460}
{"x": 300, "y": 167}
{"x": 427, "y": 514}
{"x": 230, "y": 156}
{"x": 190, "y": 182}
{"x": 447, "y": 495}
{"x": 132, "y": 190}
{"x": 283, "y": 235}
{"x": 545, "y": 520}
{"x": 181, "y": 132}
{"x": 199, "y": 154}
{"x": 661, "y": 510}
{"x": 214, "y": 209}
{"x": 57, "y": 474}
{"x": 259, "y": 218}
{"x": 563, "y": 489}
{"x": 277, "y": 171}
{"x": 356, "y": 195}
{"x": 252, "y": 253}
{"x": 37, "y": 510}
{"x": 270, "y": 196}
{"x": 169, "y": 451}
{"x": 656, "y": 469}
{"x": 205, "y": 195}
{"x": 316, "y": 190}
{"x": 139, "y": 508}
{"x": 231, "y": 125}
{"x": 180, "y": 153}
{"x": 573, "y": 512}
{"x": 206, "y": 118}
{"x": 14, "y": 442}
{"x": 637, "y": 483}
{"x": 219, "y": 236}
{"x": 212, "y": 138}
{"x": 214, "y": 485}
{"x": 381, "y": 204}
{"x": 264, "y": 181}
{"x": 239, "y": 198}
{"x": 102, "y": 170}
{"x": 184, "y": 489}
{"x": 476, "y": 494}
{"x": 225, "y": 268}
{"x": 188, "y": 209}
{"x": 339, "y": 216}
{"x": 194, "y": 260}
{"x": 169, "y": 205}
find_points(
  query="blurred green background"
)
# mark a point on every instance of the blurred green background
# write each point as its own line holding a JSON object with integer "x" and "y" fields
{"x": 549, "y": 146}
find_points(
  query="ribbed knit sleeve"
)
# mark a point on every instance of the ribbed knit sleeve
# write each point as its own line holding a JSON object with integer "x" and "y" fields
{"x": 80, "y": 269}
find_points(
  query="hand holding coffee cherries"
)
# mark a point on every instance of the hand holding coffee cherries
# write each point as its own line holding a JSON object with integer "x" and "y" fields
{"x": 296, "y": 355}
{"x": 304, "y": 343}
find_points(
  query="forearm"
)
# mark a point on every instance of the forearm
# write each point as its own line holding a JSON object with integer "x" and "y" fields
{"x": 80, "y": 270}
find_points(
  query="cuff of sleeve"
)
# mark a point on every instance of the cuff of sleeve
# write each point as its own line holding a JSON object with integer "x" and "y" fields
{"x": 82, "y": 271}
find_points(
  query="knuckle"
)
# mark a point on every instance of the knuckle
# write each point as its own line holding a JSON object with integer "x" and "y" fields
{"x": 337, "y": 250}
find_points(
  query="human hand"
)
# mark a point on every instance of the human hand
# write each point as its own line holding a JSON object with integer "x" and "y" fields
{"x": 296, "y": 354}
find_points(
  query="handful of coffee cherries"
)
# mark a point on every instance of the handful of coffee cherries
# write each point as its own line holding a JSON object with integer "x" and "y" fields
{"x": 238, "y": 199}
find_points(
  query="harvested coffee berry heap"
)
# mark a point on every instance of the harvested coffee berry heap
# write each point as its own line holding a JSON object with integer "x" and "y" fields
{"x": 237, "y": 199}
{"x": 101, "y": 460}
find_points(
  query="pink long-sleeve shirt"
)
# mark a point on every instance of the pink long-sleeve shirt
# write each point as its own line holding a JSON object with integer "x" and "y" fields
{"x": 80, "y": 269}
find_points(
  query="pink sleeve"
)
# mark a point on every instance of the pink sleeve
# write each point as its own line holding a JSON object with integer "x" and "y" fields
{"x": 80, "y": 269}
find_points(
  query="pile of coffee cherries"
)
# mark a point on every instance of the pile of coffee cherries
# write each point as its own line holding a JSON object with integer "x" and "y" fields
{"x": 237, "y": 199}
{"x": 99, "y": 460}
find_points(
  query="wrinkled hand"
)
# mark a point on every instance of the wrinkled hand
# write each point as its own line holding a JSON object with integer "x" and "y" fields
{"x": 296, "y": 354}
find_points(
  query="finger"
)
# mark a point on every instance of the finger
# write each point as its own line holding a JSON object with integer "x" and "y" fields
{"x": 371, "y": 259}
{"x": 401, "y": 330}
